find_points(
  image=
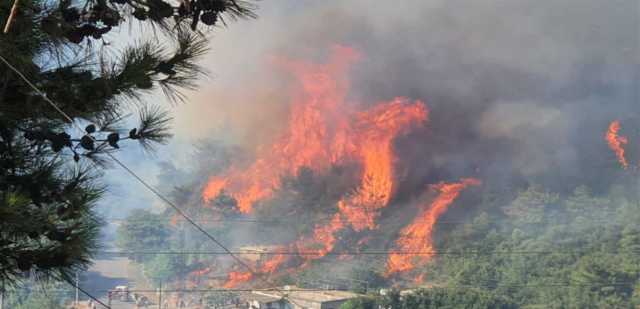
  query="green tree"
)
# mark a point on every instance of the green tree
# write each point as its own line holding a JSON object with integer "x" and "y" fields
{"x": 604, "y": 275}
{"x": 530, "y": 205}
{"x": 433, "y": 298}
{"x": 455, "y": 298}
{"x": 37, "y": 295}
{"x": 48, "y": 183}
{"x": 164, "y": 268}
{"x": 40, "y": 301}
{"x": 220, "y": 299}
{"x": 143, "y": 231}
{"x": 366, "y": 279}
{"x": 587, "y": 247}
{"x": 360, "y": 303}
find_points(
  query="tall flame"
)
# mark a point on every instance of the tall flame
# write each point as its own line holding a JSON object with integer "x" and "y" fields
{"x": 617, "y": 142}
{"x": 309, "y": 140}
{"x": 375, "y": 132}
{"x": 415, "y": 243}
{"x": 324, "y": 130}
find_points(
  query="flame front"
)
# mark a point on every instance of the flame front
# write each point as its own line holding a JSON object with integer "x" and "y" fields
{"x": 235, "y": 278}
{"x": 617, "y": 142}
{"x": 271, "y": 266}
{"x": 323, "y": 239}
{"x": 322, "y": 131}
{"x": 375, "y": 132}
{"x": 308, "y": 141}
{"x": 414, "y": 246}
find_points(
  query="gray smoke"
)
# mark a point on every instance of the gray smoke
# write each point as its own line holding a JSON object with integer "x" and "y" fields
{"x": 520, "y": 92}
{"x": 520, "y": 89}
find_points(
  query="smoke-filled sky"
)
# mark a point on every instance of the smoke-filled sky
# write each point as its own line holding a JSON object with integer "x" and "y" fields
{"x": 522, "y": 88}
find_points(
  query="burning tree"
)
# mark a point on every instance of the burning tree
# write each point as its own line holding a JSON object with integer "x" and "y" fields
{"x": 324, "y": 131}
{"x": 617, "y": 142}
{"x": 47, "y": 200}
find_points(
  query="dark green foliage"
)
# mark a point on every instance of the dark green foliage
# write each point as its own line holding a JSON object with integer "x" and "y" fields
{"x": 81, "y": 21}
{"x": 48, "y": 222}
{"x": 588, "y": 251}
{"x": 220, "y": 300}
{"x": 455, "y": 298}
{"x": 48, "y": 183}
{"x": 37, "y": 295}
{"x": 366, "y": 280}
{"x": 360, "y": 303}
{"x": 434, "y": 298}
{"x": 164, "y": 268}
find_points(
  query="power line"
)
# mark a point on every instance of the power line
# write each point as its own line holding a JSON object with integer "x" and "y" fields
{"x": 316, "y": 221}
{"x": 44, "y": 96}
{"x": 455, "y": 286}
{"x": 220, "y": 290}
{"x": 134, "y": 175}
{"x": 82, "y": 290}
{"x": 356, "y": 253}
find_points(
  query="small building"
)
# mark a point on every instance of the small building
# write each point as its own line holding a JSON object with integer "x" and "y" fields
{"x": 297, "y": 298}
{"x": 259, "y": 301}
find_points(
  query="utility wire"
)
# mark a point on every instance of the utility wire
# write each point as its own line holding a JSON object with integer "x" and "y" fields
{"x": 44, "y": 96}
{"x": 82, "y": 290}
{"x": 455, "y": 286}
{"x": 316, "y": 221}
{"x": 198, "y": 290}
{"x": 356, "y": 253}
{"x": 150, "y": 188}
{"x": 138, "y": 178}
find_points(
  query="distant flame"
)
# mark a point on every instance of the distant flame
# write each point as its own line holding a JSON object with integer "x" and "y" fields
{"x": 236, "y": 278}
{"x": 617, "y": 142}
{"x": 415, "y": 243}
{"x": 200, "y": 272}
{"x": 272, "y": 265}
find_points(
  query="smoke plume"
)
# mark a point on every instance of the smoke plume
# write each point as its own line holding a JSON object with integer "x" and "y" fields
{"x": 517, "y": 93}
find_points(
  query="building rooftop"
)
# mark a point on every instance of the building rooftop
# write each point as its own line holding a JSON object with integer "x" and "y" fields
{"x": 263, "y": 298}
{"x": 317, "y": 296}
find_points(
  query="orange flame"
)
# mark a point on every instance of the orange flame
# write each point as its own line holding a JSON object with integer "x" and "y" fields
{"x": 617, "y": 142}
{"x": 375, "y": 132}
{"x": 313, "y": 248}
{"x": 377, "y": 129}
{"x": 309, "y": 141}
{"x": 323, "y": 241}
{"x": 236, "y": 278}
{"x": 271, "y": 265}
{"x": 415, "y": 241}
{"x": 322, "y": 131}
{"x": 200, "y": 272}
